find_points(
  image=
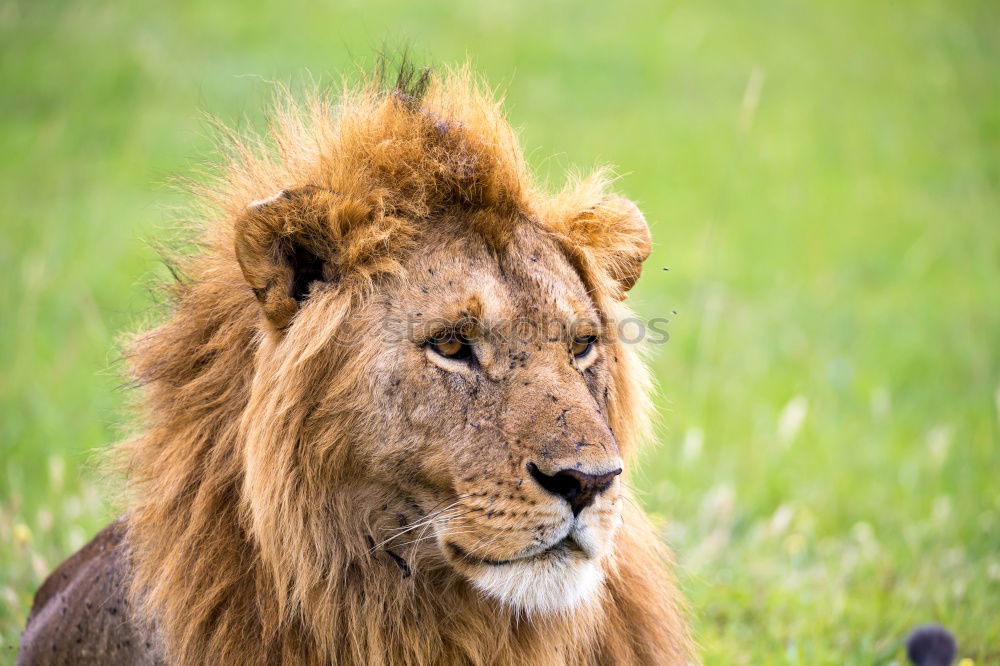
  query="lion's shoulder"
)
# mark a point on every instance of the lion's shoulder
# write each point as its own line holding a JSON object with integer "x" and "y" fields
{"x": 81, "y": 613}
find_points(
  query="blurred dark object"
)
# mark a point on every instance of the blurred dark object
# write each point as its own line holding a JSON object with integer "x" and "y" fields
{"x": 931, "y": 645}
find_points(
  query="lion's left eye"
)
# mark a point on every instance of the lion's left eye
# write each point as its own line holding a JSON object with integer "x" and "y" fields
{"x": 582, "y": 345}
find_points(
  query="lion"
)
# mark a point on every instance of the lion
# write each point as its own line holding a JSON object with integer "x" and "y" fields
{"x": 388, "y": 418}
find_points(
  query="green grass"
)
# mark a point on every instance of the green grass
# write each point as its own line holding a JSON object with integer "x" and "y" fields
{"x": 830, "y": 396}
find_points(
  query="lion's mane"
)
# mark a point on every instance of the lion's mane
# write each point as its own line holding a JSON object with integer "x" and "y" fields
{"x": 202, "y": 568}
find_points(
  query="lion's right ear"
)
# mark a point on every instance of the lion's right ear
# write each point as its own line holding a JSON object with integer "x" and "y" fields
{"x": 283, "y": 245}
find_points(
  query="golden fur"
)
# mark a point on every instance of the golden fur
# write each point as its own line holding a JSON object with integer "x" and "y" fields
{"x": 293, "y": 497}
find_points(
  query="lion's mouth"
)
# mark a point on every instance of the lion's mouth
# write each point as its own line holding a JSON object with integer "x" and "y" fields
{"x": 566, "y": 545}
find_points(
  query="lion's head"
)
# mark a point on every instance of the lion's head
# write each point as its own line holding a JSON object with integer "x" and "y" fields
{"x": 392, "y": 386}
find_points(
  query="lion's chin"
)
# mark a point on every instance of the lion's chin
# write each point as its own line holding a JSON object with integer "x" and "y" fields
{"x": 554, "y": 582}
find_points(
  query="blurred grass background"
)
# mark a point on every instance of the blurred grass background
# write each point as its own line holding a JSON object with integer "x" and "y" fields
{"x": 821, "y": 180}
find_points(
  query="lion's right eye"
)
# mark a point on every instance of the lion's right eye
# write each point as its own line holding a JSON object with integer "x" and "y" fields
{"x": 452, "y": 346}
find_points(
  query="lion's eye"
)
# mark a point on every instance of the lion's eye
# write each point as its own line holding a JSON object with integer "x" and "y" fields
{"x": 452, "y": 346}
{"x": 581, "y": 346}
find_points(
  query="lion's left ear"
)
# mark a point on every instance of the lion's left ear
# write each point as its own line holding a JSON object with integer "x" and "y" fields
{"x": 612, "y": 239}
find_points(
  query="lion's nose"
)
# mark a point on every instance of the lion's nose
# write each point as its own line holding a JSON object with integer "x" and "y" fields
{"x": 576, "y": 487}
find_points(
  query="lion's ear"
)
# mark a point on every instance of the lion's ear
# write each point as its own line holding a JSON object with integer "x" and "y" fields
{"x": 613, "y": 239}
{"x": 283, "y": 246}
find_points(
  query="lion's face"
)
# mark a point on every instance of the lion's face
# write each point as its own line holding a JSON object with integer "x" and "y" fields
{"x": 491, "y": 391}
{"x": 470, "y": 388}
